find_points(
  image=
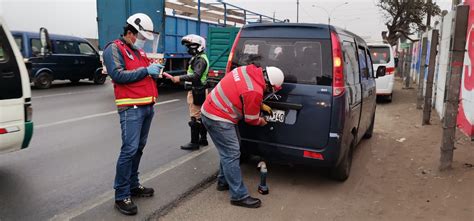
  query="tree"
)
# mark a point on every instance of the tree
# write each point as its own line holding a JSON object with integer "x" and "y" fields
{"x": 405, "y": 17}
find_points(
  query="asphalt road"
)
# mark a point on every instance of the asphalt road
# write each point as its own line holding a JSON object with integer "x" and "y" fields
{"x": 76, "y": 141}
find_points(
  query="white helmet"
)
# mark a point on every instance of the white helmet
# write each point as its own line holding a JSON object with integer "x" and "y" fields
{"x": 194, "y": 39}
{"x": 275, "y": 76}
{"x": 143, "y": 24}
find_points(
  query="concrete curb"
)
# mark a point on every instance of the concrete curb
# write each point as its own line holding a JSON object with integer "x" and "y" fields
{"x": 172, "y": 185}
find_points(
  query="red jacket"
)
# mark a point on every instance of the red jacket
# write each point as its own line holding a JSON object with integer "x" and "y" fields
{"x": 141, "y": 92}
{"x": 237, "y": 96}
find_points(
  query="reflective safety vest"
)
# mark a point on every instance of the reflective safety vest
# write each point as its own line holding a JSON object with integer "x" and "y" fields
{"x": 204, "y": 75}
{"x": 142, "y": 92}
{"x": 237, "y": 96}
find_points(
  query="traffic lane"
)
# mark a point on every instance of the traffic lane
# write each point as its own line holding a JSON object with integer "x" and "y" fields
{"x": 61, "y": 88}
{"x": 69, "y": 164}
{"x": 73, "y": 101}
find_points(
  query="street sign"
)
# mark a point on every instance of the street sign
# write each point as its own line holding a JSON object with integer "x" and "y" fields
{"x": 404, "y": 45}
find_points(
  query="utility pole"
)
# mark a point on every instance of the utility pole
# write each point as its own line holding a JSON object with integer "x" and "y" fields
{"x": 421, "y": 80}
{"x": 455, "y": 3}
{"x": 199, "y": 18}
{"x": 407, "y": 66}
{"x": 428, "y": 18}
{"x": 456, "y": 62}
{"x": 429, "y": 82}
{"x": 297, "y": 11}
{"x": 401, "y": 61}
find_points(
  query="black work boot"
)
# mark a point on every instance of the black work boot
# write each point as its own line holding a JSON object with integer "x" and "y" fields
{"x": 203, "y": 133}
{"x": 194, "y": 144}
{"x": 142, "y": 191}
{"x": 126, "y": 206}
{"x": 248, "y": 202}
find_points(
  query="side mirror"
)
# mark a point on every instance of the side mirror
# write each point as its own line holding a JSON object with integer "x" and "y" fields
{"x": 381, "y": 71}
{"x": 45, "y": 42}
{"x": 396, "y": 62}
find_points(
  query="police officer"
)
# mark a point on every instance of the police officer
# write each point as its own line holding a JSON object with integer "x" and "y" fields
{"x": 196, "y": 80}
{"x": 135, "y": 91}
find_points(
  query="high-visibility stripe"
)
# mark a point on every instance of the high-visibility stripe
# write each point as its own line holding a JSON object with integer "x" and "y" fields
{"x": 252, "y": 117}
{"x": 219, "y": 104}
{"x": 226, "y": 100}
{"x": 248, "y": 81}
{"x": 134, "y": 100}
{"x": 214, "y": 117}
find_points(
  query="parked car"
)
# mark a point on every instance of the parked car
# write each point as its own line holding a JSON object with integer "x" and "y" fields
{"x": 69, "y": 58}
{"x": 382, "y": 54}
{"x": 327, "y": 104}
{"x": 16, "y": 125}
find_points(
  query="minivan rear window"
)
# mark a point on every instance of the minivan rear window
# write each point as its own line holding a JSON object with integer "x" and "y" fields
{"x": 380, "y": 55}
{"x": 305, "y": 61}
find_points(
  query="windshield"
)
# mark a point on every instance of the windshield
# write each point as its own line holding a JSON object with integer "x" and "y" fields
{"x": 380, "y": 55}
{"x": 301, "y": 60}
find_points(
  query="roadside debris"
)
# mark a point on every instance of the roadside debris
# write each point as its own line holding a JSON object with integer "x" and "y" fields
{"x": 401, "y": 140}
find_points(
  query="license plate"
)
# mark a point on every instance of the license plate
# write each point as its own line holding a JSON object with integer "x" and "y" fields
{"x": 278, "y": 116}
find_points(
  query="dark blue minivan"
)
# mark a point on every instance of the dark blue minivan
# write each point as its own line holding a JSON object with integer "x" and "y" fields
{"x": 327, "y": 104}
{"x": 70, "y": 58}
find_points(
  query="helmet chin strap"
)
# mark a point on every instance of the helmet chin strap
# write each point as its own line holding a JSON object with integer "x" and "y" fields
{"x": 268, "y": 85}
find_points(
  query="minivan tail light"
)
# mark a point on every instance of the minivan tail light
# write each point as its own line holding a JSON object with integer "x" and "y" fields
{"x": 231, "y": 54}
{"x": 312, "y": 155}
{"x": 390, "y": 70}
{"x": 338, "y": 69}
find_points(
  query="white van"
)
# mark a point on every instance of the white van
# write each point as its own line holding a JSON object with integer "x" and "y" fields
{"x": 16, "y": 125}
{"x": 382, "y": 54}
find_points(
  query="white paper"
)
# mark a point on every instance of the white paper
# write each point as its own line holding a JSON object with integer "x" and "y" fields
{"x": 251, "y": 49}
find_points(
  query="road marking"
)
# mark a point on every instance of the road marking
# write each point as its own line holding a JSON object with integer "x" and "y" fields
{"x": 57, "y": 95}
{"x": 109, "y": 195}
{"x": 68, "y": 93}
{"x": 93, "y": 116}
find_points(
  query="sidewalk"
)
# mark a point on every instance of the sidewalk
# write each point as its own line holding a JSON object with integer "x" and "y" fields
{"x": 394, "y": 177}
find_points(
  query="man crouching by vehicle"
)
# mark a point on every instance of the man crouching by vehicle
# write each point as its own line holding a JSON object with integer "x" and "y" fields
{"x": 238, "y": 96}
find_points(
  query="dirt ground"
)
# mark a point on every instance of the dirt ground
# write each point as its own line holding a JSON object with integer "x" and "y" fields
{"x": 394, "y": 177}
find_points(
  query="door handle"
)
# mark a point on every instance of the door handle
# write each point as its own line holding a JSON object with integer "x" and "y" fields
{"x": 284, "y": 105}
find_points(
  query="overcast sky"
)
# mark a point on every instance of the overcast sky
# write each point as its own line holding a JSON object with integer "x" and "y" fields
{"x": 78, "y": 17}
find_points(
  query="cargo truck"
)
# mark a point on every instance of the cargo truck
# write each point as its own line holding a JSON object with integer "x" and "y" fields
{"x": 173, "y": 20}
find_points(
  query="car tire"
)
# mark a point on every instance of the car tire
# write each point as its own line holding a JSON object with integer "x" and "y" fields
{"x": 370, "y": 131}
{"x": 342, "y": 171}
{"x": 389, "y": 97}
{"x": 100, "y": 79}
{"x": 43, "y": 80}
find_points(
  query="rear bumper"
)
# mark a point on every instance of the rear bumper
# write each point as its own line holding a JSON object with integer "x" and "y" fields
{"x": 286, "y": 154}
{"x": 28, "y": 135}
{"x": 385, "y": 88}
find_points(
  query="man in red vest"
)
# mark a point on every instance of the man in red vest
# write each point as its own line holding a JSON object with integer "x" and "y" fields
{"x": 135, "y": 94}
{"x": 238, "y": 96}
